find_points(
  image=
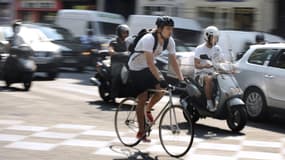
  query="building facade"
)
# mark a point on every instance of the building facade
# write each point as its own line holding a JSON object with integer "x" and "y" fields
{"x": 6, "y": 16}
{"x": 37, "y": 10}
{"x": 227, "y": 14}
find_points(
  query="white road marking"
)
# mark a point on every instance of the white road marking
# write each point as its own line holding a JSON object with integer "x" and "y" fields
{"x": 31, "y": 146}
{"x": 27, "y": 128}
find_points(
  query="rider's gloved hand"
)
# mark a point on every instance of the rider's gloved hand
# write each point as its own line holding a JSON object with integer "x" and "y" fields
{"x": 163, "y": 83}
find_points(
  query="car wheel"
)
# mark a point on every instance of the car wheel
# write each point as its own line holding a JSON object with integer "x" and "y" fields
{"x": 255, "y": 104}
{"x": 52, "y": 75}
{"x": 27, "y": 86}
{"x": 80, "y": 69}
{"x": 8, "y": 84}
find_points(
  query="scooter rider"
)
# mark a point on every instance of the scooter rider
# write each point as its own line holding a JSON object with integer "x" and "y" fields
{"x": 120, "y": 44}
{"x": 204, "y": 70}
{"x": 16, "y": 40}
{"x": 144, "y": 73}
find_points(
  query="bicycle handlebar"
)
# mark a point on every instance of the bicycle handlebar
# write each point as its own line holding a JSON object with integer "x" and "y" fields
{"x": 169, "y": 88}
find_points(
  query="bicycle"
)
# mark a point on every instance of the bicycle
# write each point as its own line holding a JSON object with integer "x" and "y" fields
{"x": 176, "y": 131}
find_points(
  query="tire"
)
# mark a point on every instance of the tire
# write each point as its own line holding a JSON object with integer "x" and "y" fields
{"x": 176, "y": 128}
{"x": 80, "y": 69}
{"x": 194, "y": 115}
{"x": 27, "y": 85}
{"x": 105, "y": 92}
{"x": 126, "y": 124}
{"x": 255, "y": 104}
{"x": 8, "y": 84}
{"x": 237, "y": 118}
{"x": 52, "y": 75}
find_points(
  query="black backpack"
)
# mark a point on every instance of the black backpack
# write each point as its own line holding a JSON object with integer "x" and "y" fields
{"x": 141, "y": 33}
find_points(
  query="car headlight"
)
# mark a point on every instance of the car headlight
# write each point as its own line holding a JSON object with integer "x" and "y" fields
{"x": 86, "y": 53}
{"x": 104, "y": 46}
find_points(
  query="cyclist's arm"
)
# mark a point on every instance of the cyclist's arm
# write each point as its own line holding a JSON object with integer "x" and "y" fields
{"x": 152, "y": 67}
{"x": 175, "y": 66}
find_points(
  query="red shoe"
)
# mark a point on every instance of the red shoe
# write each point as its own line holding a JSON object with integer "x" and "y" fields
{"x": 142, "y": 134}
{"x": 149, "y": 117}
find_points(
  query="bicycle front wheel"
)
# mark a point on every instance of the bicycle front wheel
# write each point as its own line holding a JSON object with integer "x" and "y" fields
{"x": 126, "y": 124}
{"x": 176, "y": 131}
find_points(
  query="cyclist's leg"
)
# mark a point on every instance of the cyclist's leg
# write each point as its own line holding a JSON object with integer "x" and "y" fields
{"x": 154, "y": 98}
{"x": 142, "y": 98}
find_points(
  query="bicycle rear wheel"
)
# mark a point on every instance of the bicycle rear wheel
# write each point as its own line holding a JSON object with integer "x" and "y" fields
{"x": 126, "y": 124}
{"x": 176, "y": 131}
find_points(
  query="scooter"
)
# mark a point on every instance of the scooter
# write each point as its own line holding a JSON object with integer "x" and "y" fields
{"x": 102, "y": 76}
{"x": 227, "y": 98}
{"x": 19, "y": 67}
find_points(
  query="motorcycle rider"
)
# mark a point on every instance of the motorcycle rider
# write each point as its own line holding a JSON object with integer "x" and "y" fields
{"x": 16, "y": 40}
{"x": 120, "y": 44}
{"x": 145, "y": 75}
{"x": 259, "y": 39}
{"x": 204, "y": 70}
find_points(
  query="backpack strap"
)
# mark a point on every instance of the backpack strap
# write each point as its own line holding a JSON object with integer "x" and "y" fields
{"x": 165, "y": 44}
{"x": 155, "y": 40}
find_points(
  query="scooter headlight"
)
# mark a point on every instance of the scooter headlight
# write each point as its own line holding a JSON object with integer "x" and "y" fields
{"x": 235, "y": 91}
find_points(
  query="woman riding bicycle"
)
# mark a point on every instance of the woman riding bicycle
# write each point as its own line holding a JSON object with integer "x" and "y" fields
{"x": 144, "y": 73}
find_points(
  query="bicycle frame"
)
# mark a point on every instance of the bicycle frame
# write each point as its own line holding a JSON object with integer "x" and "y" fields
{"x": 170, "y": 124}
{"x": 166, "y": 106}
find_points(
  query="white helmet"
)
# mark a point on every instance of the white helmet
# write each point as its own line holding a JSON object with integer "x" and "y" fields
{"x": 211, "y": 31}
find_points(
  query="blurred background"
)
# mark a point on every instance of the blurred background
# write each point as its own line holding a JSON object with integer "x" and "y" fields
{"x": 258, "y": 15}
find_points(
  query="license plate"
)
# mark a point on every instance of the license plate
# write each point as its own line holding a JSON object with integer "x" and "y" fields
{"x": 70, "y": 61}
{"x": 42, "y": 61}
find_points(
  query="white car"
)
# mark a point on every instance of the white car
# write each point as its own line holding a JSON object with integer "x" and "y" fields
{"x": 262, "y": 77}
{"x": 185, "y": 59}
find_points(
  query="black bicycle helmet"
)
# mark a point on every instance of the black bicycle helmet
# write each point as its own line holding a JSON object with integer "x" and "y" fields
{"x": 164, "y": 21}
{"x": 16, "y": 23}
{"x": 259, "y": 38}
{"x": 122, "y": 28}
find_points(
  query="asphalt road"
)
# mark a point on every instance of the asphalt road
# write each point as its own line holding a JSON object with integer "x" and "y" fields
{"x": 65, "y": 119}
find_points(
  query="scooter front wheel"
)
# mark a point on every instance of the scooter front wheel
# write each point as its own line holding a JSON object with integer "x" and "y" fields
{"x": 27, "y": 86}
{"x": 237, "y": 118}
{"x": 105, "y": 93}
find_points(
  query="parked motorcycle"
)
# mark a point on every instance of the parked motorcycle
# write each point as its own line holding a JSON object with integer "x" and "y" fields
{"x": 19, "y": 66}
{"x": 227, "y": 98}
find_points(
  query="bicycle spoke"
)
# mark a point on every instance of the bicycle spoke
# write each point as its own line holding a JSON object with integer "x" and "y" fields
{"x": 126, "y": 124}
{"x": 176, "y": 132}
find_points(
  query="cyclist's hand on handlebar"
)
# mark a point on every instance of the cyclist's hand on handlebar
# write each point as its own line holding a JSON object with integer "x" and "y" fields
{"x": 163, "y": 83}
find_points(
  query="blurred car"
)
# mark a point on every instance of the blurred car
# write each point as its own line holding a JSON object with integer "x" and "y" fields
{"x": 73, "y": 53}
{"x": 235, "y": 43}
{"x": 262, "y": 76}
{"x": 46, "y": 54}
{"x": 185, "y": 59}
{"x": 3, "y": 56}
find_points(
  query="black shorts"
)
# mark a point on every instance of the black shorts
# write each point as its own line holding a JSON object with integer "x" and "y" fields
{"x": 143, "y": 80}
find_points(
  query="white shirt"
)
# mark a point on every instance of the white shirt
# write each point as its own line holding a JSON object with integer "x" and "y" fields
{"x": 137, "y": 60}
{"x": 17, "y": 40}
{"x": 214, "y": 53}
